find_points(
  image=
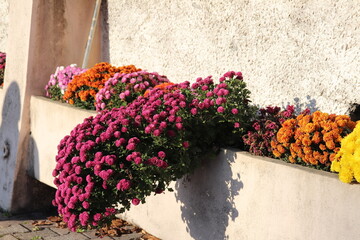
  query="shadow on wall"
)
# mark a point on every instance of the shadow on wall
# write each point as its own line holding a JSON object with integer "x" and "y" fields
{"x": 18, "y": 191}
{"x": 9, "y": 134}
{"x": 105, "y": 45}
{"x": 207, "y": 198}
{"x": 300, "y": 106}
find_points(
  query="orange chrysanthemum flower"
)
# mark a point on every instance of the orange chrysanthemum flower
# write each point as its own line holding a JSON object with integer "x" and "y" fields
{"x": 276, "y": 153}
{"x": 309, "y": 128}
{"x": 316, "y": 138}
{"x": 281, "y": 149}
{"x": 162, "y": 86}
{"x": 306, "y": 141}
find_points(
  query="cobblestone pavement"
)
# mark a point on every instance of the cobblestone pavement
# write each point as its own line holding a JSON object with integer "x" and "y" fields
{"x": 36, "y": 226}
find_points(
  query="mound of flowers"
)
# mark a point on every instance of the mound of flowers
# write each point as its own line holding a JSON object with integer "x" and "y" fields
{"x": 120, "y": 156}
{"x": 2, "y": 67}
{"x": 347, "y": 160}
{"x": 58, "y": 82}
{"x": 312, "y": 140}
{"x": 124, "y": 88}
{"x": 82, "y": 89}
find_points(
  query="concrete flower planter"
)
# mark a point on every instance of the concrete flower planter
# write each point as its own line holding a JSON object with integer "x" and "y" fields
{"x": 233, "y": 196}
{"x": 50, "y": 122}
{"x": 241, "y": 196}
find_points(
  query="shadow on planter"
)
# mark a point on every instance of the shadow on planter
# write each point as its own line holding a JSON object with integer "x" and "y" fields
{"x": 42, "y": 194}
{"x": 207, "y": 217}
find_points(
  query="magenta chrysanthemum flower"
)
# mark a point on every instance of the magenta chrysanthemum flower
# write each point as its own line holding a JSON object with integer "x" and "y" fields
{"x": 123, "y": 185}
{"x": 221, "y": 109}
{"x": 135, "y": 201}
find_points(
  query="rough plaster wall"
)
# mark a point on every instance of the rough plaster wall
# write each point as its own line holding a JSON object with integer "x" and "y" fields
{"x": 292, "y": 51}
{"x": 4, "y": 21}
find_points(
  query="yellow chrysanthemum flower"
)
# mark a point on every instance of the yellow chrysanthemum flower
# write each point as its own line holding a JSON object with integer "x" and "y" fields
{"x": 335, "y": 166}
{"x": 357, "y": 171}
{"x": 347, "y": 162}
{"x": 346, "y": 175}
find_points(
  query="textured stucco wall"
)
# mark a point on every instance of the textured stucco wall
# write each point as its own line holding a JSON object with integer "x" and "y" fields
{"x": 292, "y": 51}
{"x": 4, "y": 22}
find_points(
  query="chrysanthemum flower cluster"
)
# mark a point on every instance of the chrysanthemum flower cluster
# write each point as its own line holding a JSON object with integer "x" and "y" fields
{"x": 124, "y": 88}
{"x": 312, "y": 140}
{"x": 264, "y": 128}
{"x": 2, "y": 67}
{"x": 122, "y": 155}
{"x": 347, "y": 160}
{"x": 82, "y": 89}
{"x": 60, "y": 79}
{"x": 224, "y": 108}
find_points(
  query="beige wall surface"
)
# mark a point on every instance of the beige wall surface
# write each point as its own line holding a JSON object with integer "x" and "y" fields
{"x": 4, "y": 22}
{"x": 305, "y": 53}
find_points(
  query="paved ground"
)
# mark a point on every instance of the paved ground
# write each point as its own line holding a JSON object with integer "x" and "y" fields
{"x": 36, "y": 226}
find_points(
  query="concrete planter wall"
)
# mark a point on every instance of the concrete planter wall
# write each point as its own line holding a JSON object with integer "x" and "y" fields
{"x": 240, "y": 196}
{"x": 50, "y": 122}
